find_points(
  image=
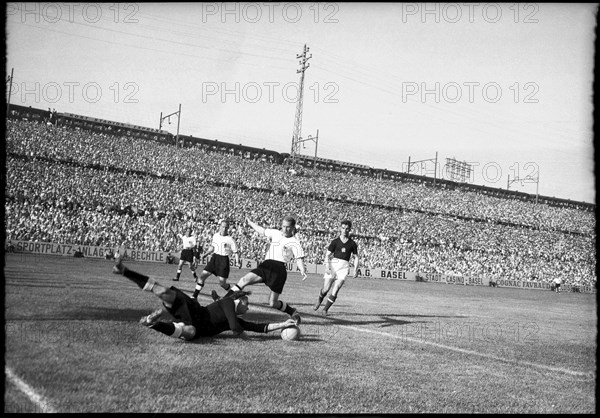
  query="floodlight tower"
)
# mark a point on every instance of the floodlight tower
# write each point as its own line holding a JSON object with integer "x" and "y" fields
{"x": 297, "y": 135}
{"x": 459, "y": 171}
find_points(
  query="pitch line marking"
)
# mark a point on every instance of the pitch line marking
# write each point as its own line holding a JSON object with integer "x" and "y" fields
{"x": 456, "y": 349}
{"x": 473, "y": 353}
{"x": 33, "y": 396}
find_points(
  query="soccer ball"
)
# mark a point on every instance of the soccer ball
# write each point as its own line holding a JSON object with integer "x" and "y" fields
{"x": 290, "y": 334}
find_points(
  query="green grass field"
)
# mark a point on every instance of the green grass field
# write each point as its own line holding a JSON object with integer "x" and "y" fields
{"x": 74, "y": 344}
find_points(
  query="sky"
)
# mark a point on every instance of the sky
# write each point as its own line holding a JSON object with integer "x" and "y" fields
{"x": 504, "y": 87}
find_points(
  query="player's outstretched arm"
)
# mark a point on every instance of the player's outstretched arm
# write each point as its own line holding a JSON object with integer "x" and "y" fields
{"x": 256, "y": 227}
{"x": 263, "y": 328}
{"x": 274, "y": 326}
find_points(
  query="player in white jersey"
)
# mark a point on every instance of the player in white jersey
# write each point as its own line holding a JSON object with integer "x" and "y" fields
{"x": 557, "y": 282}
{"x": 222, "y": 246}
{"x": 187, "y": 252}
{"x": 337, "y": 265}
{"x": 272, "y": 271}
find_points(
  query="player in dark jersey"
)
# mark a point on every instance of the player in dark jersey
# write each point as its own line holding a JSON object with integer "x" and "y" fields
{"x": 191, "y": 320}
{"x": 338, "y": 267}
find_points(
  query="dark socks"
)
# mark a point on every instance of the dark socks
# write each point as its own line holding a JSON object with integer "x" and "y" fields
{"x": 322, "y": 296}
{"x": 284, "y": 307}
{"x": 197, "y": 290}
{"x": 232, "y": 289}
{"x": 330, "y": 301}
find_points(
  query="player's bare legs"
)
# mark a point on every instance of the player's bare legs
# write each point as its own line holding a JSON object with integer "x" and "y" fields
{"x": 226, "y": 286}
{"x": 248, "y": 280}
{"x": 179, "y": 267}
{"x": 326, "y": 286}
{"x": 331, "y": 299}
{"x": 200, "y": 282}
{"x": 223, "y": 283}
{"x": 274, "y": 302}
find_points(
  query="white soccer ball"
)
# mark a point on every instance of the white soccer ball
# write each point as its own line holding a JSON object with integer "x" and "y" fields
{"x": 291, "y": 333}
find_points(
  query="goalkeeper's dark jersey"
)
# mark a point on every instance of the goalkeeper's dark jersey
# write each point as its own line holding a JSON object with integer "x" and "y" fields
{"x": 208, "y": 320}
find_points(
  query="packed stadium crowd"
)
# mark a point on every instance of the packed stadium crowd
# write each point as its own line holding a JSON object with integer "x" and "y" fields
{"x": 67, "y": 185}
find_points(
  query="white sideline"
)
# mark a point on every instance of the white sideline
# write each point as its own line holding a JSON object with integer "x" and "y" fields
{"x": 38, "y": 400}
{"x": 456, "y": 349}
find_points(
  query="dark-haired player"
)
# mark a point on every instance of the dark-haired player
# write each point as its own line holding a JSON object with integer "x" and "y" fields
{"x": 272, "y": 272}
{"x": 190, "y": 319}
{"x": 221, "y": 247}
{"x": 337, "y": 265}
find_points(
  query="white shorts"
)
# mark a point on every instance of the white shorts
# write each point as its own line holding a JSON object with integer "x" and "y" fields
{"x": 339, "y": 269}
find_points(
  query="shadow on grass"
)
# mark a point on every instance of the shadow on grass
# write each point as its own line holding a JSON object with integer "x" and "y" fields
{"x": 340, "y": 317}
{"x": 250, "y": 336}
{"x": 90, "y": 314}
{"x": 134, "y": 315}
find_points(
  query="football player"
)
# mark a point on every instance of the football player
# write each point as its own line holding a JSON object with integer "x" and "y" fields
{"x": 337, "y": 265}
{"x": 191, "y": 320}
{"x": 272, "y": 270}
{"x": 221, "y": 247}
{"x": 187, "y": 253}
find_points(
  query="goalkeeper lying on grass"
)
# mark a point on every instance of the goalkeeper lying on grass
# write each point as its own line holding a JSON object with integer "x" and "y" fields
{"x": 191, "y": 319}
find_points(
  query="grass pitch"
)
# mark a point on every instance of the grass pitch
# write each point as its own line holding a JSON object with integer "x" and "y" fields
{"x": 73, "y": 344}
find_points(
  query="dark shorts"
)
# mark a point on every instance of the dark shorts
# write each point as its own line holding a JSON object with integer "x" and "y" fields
{"x": 218, "y": 265}
{"x": 273, "y": 274}
{"x": 187, "y": 255}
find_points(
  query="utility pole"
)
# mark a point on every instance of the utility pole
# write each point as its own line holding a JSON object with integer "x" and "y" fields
{"x": 297, "y": 135}
{"x": 178, "y": 113}
{"x": 10, "y": 83}
{"x": 433, "y": 160}
{"x": 526, "y": 179}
